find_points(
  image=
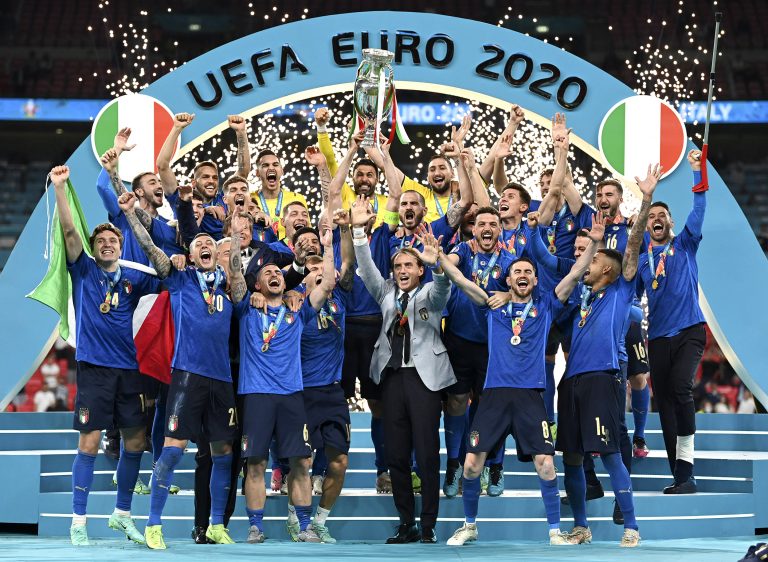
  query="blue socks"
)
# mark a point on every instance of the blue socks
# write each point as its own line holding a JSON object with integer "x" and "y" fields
{"x": 82, "y": 478}
{"x": 303, "y": 512}
{"x": 161, "y": 481}
{"x": 549, "y": 391}
{"x": 471, "y": 497}
{"x": 255, "y": 517}
{"x": 576, "y": 488}
{"x": 127, "y": 474}
{"x": 622, "y": 487}
{"x": 551, "y": 496}
{"x": 641, "y": 401}
{"x": 158, "y": 430}
{"x": 221, "y": 473}
{"x": 454, "y": 431}
{"x": 377, "y": 436}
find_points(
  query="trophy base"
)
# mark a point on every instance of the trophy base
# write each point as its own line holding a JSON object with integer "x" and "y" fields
{"x": 370, "y": 137}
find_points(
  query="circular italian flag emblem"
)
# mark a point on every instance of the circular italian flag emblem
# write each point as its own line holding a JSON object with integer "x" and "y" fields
{"x": 150, "y": 122}
{"x": 642, "y": 130}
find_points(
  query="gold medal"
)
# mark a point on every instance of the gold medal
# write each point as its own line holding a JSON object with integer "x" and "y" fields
{"x": 324, "y": 322}
{"x": 582, "y": 322}
{"x": 211, "y": 309}
{"x": 104, "y": 307}
{"x": 265, "y": 347}
{"x": 552, "y": 249}
{"x": 655, "y": 284}
{"x": 400, "y": 330}
{"x": 515, "y": 340}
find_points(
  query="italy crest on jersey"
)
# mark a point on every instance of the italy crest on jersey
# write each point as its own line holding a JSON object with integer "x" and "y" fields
{"x": 173, "y": 423}
{"x": 569, "y": 224}
{"x": 244, "y": 443}
{"x": 333, "y": 307}
{"x": 496, "y": 271}
{"x": 127, "y": 286}
{"x": 533, "y": 313}
{"x": 289, "y": 318}
{"x": 84, "y": 415}
{"x": 522, "y": 239}
{"x": 474, "y": 439}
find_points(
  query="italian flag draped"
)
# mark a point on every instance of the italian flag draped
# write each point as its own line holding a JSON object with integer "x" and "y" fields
{"x": 150, "y": 122}
{"x": 642, "y": 130}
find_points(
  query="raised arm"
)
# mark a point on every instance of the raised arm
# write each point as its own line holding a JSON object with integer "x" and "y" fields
{"x": 160, "y": 261}
{"x": 474, "y": 292}
{"x": 378, "y": 158}
{"x": 240, "y": 126}
{"x": 539, "y": 251}
{"x": 74, "y": 244}
{"x": 322, "y": 117}
{"x": 315, "y": 157}
{"x": 167, "y": 177}
{"x": 347, "y": 271}
{"x": 237, "y": 284}
{"x": 569, "y": 282}
{"x": 501, "y": 149}
{"x": 572, "y": 196}
{"x": 635, "y": 240}
{"x": 440, "y": 288}
{"x": 548, "y": 206}
{"x": 695, "y": 220}
{"x": 109, "y": 161}
{"x": 340, "y": 176}
{"x": 466, "y": 161}
{"x": 393, "y": 183}
{"x": 185, "y": 214}
{"x": 369, "y": 273}
{"x": 321, "y": 292}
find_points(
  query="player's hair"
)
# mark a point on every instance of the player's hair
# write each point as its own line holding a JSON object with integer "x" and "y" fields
{"x": 422, "y": 201}
{"x": 524, "y": 195}
{"x": 136, "y": 181}
{"x": 291, "y": 204}
{"x": 365, "y": 162}
{"x": 197, "y": 195}
{"x": 546, "y": 172}
{"x": 265, "y": 152}
{"x": 203, "y": 164}
{"x": 305, "y": 230}
{"x": 234, "y": 179}
{"x": 662, "y": 205}
{"x": 227, "y": 228}
{"x": 221, "y": 241}
{"x": 488, "y": 211}
{"x": 313, "y": 260}
{"x": 200, "y": 235}
{"x": 104, "y": 227}
{"x": 615, "y": 256}
{"x": 409, "y": 252}
{"x": 441, "y": 156}
{"x": 610, "y": 181}
{"x": 526, "y": 260}
{"x": 583, "y": 232}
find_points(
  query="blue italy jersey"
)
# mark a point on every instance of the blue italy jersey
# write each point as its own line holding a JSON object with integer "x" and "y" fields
{"x": 440, "y": 227}
{"x": 560, "y": 235}
{"x": 322, "y": 342}
{"x": 674, "y": 305}
{"x": 165, "y": 237}
{"x": 522, "y": 365}
{"x": 515, "y": 240}
{"x": 465, "y": 319}
{"x": 361, "y": 302}
{"x": 278, "y": 369}
{"x": 281, "y": 247}
{"x": 201, "y": 339}
{"x": 107, "y": 339}
{"x": 595, "y": 344}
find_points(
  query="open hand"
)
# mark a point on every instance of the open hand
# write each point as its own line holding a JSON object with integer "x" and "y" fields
{"x": 648, "y": 185}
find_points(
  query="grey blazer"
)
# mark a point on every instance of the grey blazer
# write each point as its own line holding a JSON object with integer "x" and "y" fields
{"x": 424, "y": 319}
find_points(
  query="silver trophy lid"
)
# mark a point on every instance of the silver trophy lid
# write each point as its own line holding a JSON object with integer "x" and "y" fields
{"x": 378, "y": 54}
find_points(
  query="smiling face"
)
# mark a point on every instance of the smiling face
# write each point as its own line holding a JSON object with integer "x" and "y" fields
{"x": 511, "y": 204}
{"x": 315, "y": 275}
{"x": 295, "y": 216}
{"x": 310, "y": 241}
{"x": 600, "y": 269}
{"x": 522, "y": 279}
{"x": 106, "y": 248}
{"x": 412, "y": 209}
{"x": 364, "y": 180}
{"x": 544, "y": 182}
{"x": 203, "y": 253}
{"x": 270, "y": 171}
{"x": 607, "y": 199}
{"x": 270, "y": 282}
{"x": 580, "y": 246}
{"x": 207, "y": 181}
{"x": 406, "y": 271}
{"x": 150, "y": 191}
{"x": 486, "y": 231}
{"x": 198, "y": 209}
{"x": 660, "y": 224}
{"x": 439, "y": 174}
{"x": 236, "y": 195}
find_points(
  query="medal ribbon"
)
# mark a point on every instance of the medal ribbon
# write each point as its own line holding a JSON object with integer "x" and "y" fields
{"x": 439, "y": 207}
{"x": 208, "y": 295}
{"x": 325, "y": 316}
{"x": 660, "y": 267}
{"x": 518, "y": 322}
{"x": 402, "y": 242}
{"x": 482, "y": 278}
{"x": 510, "y": 243}
{"x": 278, "y": 207}
{"x": 402, "y": 315}
{"x": 111, "y": 285}
{"x": 587, "y": 298}
{"x": 269, "y": 329}
{"x": 551, "y": 229}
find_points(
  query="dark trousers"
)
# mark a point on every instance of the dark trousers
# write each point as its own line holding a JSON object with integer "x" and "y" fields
{"x": 412, "y": 422}
{"x": 673, "y": 363}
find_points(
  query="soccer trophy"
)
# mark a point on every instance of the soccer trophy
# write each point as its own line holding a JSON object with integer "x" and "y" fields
{"x": 374, "y": 92}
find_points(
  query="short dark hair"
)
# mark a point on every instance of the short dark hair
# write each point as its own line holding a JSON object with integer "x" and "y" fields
{"x": 546, "y": 172}
{"x": 304, "y": 230}
{"x": 203, "y": 164}
{"x": 136, "y": 181}
{"x": 265, "y": 152}
{"x": 365, "y": 162}
{"x": 234, "y": 179}
{"x": 440, "y": 156}
{"x": 197, "y": 195}
{"x": 421, "y": 197}
{"x": 584, "y": 232}
{"x": 610, "y": 181}
{"x": 488, "y": 211}
{"x": 662, "y": 205}
{"x": 613, "y": 255}
{"x": 410, "y": 252}
{"x": 104, "y": 227}
{"x": 289, "y": 205}
{"x": 526, "y": 260}
{"x": 524, "y": 195}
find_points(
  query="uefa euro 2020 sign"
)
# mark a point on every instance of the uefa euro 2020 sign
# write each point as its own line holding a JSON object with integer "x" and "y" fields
{"x": 432, "y": 53}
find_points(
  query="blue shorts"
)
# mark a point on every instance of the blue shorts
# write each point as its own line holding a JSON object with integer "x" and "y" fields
{"x": 590, "y": 410}
{"x": 637, "y": 352}
{"x": 200, "y": 407}
{"x": 519, "y": 412}
{"x": 279, "y": 415}
{"x": 108, "y": 398}
{"x": 327, "y": 417}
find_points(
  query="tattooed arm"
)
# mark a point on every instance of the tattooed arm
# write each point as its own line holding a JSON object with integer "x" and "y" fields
{"x": 635, "y": 240}
{"x": 237, "y": 283}
{"x": 239, "y": 125}
{"x": 158, "y": 259}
